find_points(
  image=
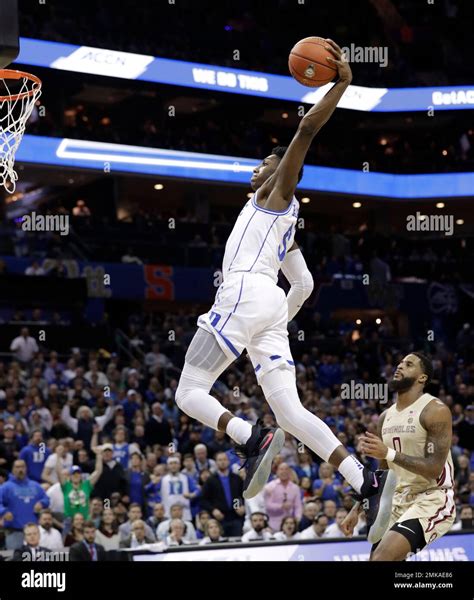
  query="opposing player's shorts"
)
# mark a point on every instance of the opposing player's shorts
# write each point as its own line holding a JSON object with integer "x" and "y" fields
{"x": 435, "y": 510}
{"x": 250, "y": 311}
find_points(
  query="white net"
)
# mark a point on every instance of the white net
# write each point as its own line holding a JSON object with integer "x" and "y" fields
{"x": 18, "y": 94}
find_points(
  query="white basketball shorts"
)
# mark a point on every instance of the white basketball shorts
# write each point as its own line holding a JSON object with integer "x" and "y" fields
{"x": 250, "y": 311}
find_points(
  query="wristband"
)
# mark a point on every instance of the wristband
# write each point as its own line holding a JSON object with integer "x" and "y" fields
{"x": 390, "y": 456}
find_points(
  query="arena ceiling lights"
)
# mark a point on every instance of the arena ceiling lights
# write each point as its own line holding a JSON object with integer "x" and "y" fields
{"x": 139, "y": 67}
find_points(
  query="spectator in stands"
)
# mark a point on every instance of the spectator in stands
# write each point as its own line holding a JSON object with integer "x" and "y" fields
{"x": 31, "y": 550}
{"x": 288, "y": 530}
{"x": 327, "y": 487}
{"x": 49, "y": 474}
{"x": 306, "y": 467}
{"x": 177, "y": 488}
{"x": 35, "y": 455}
{"x": 158, "y": 516}
{"x": 21, "y": 500}
{"x": 122, "y": 449}
{"x": 221, "y": 496}
{"x": 112, "y": 478}
{"x": 76, "y": 489}
{"x": 176, "y": 512}
{"x": 259, "y": 529}
{"x": 333, "y": 530}
{"x": 35, "y": 269}
{"x": 176, "y": 534}
{"x": 138, "y": 536}
{"x": 282, "y": 498}
{"x": 310, "y": 510}
{"x": 317, "y": 529}
{"x": 88, "y": 549}
{"x": 107, "y": 534}
{"x": 95, "y": 376}
{"x": 153, "y": 488}
{"x": 24, "y": 347}
{"x": 81, "y": 209}
{"x": 96, "y": 508}
{"x": 201, "y": 519}
{"x": 155, "y": 358}
{"x": 329, "y": 509}
{"x": 134, "y": 514}
{"x": 220, "y": 443}
{"x": 86, "y": 424}
{"x": 50, "y": 537}
{"x": 157, "y": 429}
{"x": 189, "y": 467}
{"x": 137, "y": 480}
{"x": 213, "y": 533}
{"x": 9, "y": 447}
{"x": 202, "y": 461}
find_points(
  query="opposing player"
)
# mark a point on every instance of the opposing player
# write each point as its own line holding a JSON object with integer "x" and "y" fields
{"x": 251, "y": 311}
{"x": 414, "y": 441}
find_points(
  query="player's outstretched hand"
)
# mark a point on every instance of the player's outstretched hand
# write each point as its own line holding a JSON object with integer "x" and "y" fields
{"x": 349, "y": 523}
{"x": 339, "y": 61}
{"x": 373, "y": 446}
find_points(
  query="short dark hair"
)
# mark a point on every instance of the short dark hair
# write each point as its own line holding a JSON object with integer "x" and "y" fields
{"x": 89, "y": 525}
{"x": 280, "y": 152}
{"x": 319, "y": 516}
{"x": 426, "y": 365}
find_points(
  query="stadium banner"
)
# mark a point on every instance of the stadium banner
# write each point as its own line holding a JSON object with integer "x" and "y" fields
{"x": 131, "y": 281}
{"x": 140, "y": 160}
{"x": 196, "y": 284}
{"x": 140, "y": 67}
{"x": 453, "y": 547}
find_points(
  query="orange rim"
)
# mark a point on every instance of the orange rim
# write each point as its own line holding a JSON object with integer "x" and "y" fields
{"x": 10, "y": 74}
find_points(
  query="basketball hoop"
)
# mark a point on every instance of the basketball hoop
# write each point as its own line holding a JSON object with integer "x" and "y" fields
{"x": 19, "y": 92}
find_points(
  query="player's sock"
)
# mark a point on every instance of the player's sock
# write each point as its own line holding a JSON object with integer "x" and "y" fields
{"x": 279, "y": 387}
{"x": 239, "y": 430}
{"x": 353, "y": 472}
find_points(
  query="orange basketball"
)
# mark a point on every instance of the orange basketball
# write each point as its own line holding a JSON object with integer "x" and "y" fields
{"x": 308, "y": 64}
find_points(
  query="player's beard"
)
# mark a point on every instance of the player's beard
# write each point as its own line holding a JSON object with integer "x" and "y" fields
{"x": 401, "y": 385}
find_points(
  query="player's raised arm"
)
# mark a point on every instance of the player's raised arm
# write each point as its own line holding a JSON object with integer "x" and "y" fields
{"x": 286, "y": 176}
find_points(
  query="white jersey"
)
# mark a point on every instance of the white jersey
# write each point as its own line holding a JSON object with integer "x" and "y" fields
{"x": 260, "y": 239}
{"x": 403, "y": 431}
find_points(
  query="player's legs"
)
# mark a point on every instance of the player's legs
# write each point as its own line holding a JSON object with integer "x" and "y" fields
{"x": 427, "y": 518}
{"x": 393, "y": 546}
{"x": 204, "y": 362}
{"x": 405, "y": 537}
{"x": 279, "y": 388}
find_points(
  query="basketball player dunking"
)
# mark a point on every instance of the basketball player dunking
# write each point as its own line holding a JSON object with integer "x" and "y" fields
{"x": 251, "y": 312}
{"x": 414, "y": 441}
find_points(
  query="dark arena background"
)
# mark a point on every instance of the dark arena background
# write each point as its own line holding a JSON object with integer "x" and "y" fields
{"x": 134, "y": 165}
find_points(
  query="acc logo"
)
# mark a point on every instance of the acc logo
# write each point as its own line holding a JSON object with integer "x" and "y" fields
{"x": 309, "y": 71}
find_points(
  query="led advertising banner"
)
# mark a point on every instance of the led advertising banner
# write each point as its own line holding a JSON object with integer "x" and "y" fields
{"x": 120, "y": 158}
{"x": 126, "y": 65}
{"x": 448, "y": 548}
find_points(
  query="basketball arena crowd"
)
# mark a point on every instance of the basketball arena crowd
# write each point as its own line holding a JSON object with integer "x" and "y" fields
{"x": 94, "y": 448}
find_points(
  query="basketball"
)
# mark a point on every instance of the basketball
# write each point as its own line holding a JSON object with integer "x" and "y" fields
{"x": 307, "y": 62}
